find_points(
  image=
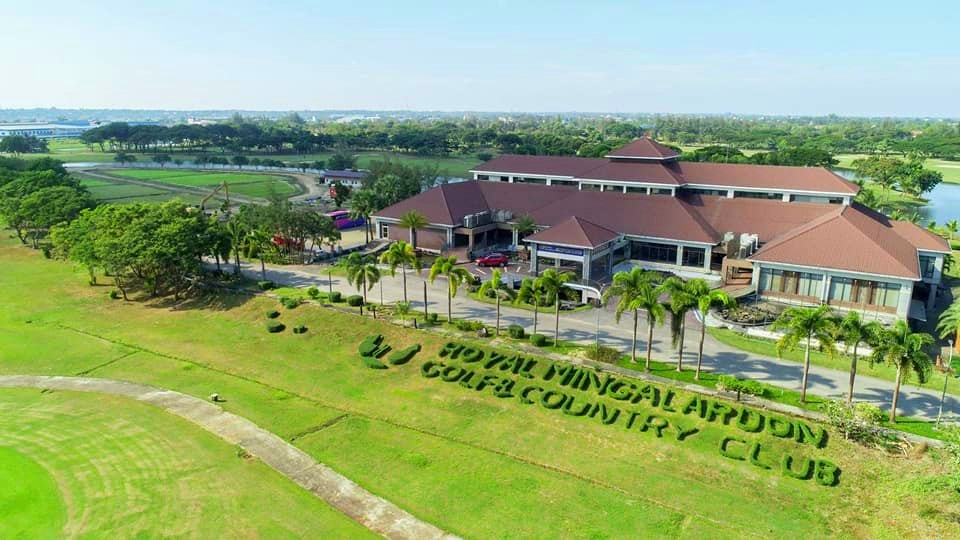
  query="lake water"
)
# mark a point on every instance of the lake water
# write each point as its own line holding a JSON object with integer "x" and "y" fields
{"x": 944, "y": 200}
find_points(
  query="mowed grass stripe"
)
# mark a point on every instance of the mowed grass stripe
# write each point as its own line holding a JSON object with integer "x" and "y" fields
{"x": 243, "y": 184}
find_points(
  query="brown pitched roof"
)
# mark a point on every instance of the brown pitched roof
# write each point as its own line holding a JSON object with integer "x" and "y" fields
{"x": 852, "y": 238}
{"x": 768, "y": 219}
{"x": 547, "y": 165}
{"x": 445, "y": 204}
{"x": 575, "y": 231}
{"x": 764, "y": 176}
{"x": 644, "y": 148}
{"x": 653, "y": 172}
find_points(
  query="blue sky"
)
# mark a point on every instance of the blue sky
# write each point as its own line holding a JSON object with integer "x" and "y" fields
{"x": 773, "y": 57}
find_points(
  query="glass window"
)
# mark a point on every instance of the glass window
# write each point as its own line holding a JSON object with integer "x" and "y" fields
{"x": 865, "y": 292}
{"x": 705, "y": 191}
{"x": 585, "y": 186}
{"x": 650, "y": 251}
{"x": 384, "y": 230}
{"x": 927, "y": 266}
{"x": 661, "y": 191}
{"x": 483, "y": 177}
{"x": 757, "y": 195}
{"x": 633, "y": 189}
{"x": 694, "y": 256}
{"x": 816, "y": 199}
{"x": 791, "y": 283}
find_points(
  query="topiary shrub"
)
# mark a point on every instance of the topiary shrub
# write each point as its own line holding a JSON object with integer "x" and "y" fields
{"x": 265, "y": 285}
{"x": 398, "y": 358}
{"x": 354, "y": 300}
{"x": 516, "y": 331}
{"x": 275, "y": 327}
{"x": 538, "y": 340}
{"x": 372, "y": 362}
{"x": 602, "y": 353}
{"x": 290, "y": 302}
{"x": 299, "y": 329}
{"x": 432, "y": 318}
{"x": 369, "y": 345}
{"x": 115, "y": 295}
{"x": 313, "y": 292}
{"x": 336, "y": 297}
{"x": 729, "y": 383}
{"x": 272, "y": 314}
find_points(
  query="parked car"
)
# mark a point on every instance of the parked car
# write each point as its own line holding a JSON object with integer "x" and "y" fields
{"x": 493, "y": 259}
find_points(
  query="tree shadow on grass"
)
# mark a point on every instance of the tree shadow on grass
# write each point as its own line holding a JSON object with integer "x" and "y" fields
{"x": 206, "y": 300}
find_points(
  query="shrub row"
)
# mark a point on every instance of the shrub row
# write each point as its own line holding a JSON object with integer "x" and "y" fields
{"x": 729, "y": 383}
{"x": 602, "y": 353}
{"x": 465, "y": 325}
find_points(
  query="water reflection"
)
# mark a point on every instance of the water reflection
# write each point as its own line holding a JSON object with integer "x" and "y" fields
{"x": 943, "y": 205}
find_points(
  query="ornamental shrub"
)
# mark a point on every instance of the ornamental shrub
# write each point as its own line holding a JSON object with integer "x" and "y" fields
{"x": 299, "y": 329}
{"x": 372, "y": 362}
{"x": 265, "y": 285}
{"x": 516, "y": 331}
{"x": 114, "y": 295}
{"x": 466, "y": 325}
{"x": 313, "y": 292}
{"x": 272, "y": 314}
{"x": 369, "y": 345}
{"x": 729, "y": 383}
{"x": 432, "y": 318}
{"x": 538, "y": 340}
{"x": 336, "y": 297}
{"x": 355, "y": 300}
{"x": 398, "y": 358}
{"x": 275, "y": 327}
{"x": 602, "y": 353}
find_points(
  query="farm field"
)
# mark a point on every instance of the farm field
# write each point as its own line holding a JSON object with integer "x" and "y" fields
{"x": 253, "y": 185}
{"x": 470, "y": 462}
{"x": 77, "y": 464}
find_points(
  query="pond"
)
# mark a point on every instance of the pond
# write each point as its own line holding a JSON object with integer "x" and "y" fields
{"x": 943, "y": 205}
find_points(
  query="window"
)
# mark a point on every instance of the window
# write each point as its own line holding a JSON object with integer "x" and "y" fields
{"x": 649, "y": 251}
{"x": 704, "y": 191}
{"x": 694, "y": 256}
{"x": 585, "y": 186}
{"x": 864, "y": 292}
{"x": 927, "y": 266}
{"x": 815, "y": 199}
{"x": 633, "y": 189}
{"x": 661, "y": 191}
{"x": 790, "y": 283}
{"x": 564, "y": 183}
{"x": 525, "y": 180}
{"x": 483, "y": 177}
{"x": 757, "y": 195}
{"x": 384, "y": 230}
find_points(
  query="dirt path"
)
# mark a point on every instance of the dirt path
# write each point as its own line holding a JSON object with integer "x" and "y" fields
{"x": 375, "y": 513}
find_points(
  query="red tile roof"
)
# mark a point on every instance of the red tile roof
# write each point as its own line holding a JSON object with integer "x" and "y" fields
{"x": 764, "y": 176}
{"x": 544, "y": 165}
{"x": 650, "y": 172}
{"x": 644, "y": 148}
{"x": 768, "y": 219}
{"x": 575, "y": 231}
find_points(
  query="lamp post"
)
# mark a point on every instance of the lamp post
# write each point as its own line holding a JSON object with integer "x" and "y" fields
{"x": 598, "y": 290}
{"x": 946, "y": 377}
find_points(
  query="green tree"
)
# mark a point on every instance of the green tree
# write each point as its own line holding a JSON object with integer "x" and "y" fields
{"x": 401, "y": 255}
{"x": 682, "y": 300}
{"x": 903, "y": 348}
{"x": 240, "y": 161}
{"x": 259, "y": 240}
{"x": 952, "y": 227}
{"x": 14, "y": 144}
{"x": 854, "y": 331}
{"x": 805, "y": 324}
{"x": 161, "y": 159}
{"x": 948, "y": 325}
{"x": 50, "y": 206}
{"x": 552, "y": 283}
{"x": 496, "y": 288}
{"x": 237, "y": 231}
{"x": 361, "y": 273}
{"x": 363, "y": 203}
{"x": 456, "y": 277}
{"x": 413, "y": 221}
{"x": 532, "y": 292}
{"x": 882, "y": 170}
{"x": 524, "y": 225}
{"x": 341, "y": 193}
{"x": 403, "y": 310}
{"x": 123, "y": 158}
{"x": 634, "y": 291}
{"x": 706, "y": 299}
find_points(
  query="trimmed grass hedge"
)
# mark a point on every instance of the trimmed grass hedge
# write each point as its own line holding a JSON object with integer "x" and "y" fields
{"x": 336, "y": 297}
{"x": 538, "y": 340}
{"x": 355, "y": 300}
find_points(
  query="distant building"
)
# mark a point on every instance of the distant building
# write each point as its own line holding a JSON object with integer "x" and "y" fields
{"x": 351, "y": 179}
{"x": 47, "y": 130}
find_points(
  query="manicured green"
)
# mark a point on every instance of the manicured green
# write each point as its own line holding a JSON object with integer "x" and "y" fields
{"x": 30, "y": 501}
{"x": 949, "y": 169}
{"x": 245, "y": 184}
{"x": 473, "y": 464}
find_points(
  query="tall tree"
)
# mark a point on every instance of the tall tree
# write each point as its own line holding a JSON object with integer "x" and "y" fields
{"x": 123, "y": 158}
{"x": 552, "y": 282}
{"x": 903, "y": 348}
{"x": 682, "y": 300}
{"x": 706, "y": 299}
{"x": 413, "y": 221}
{"x": 401, "y": 255}
{"x": 854, "y": 331}
{"x": 161, "y": 159}
{"x": 456, "y": 277}
{"x": 496, "y": 287}
{"x": 361, "y": 273}
{"x": 237, "y": 231}
{"x": 363, "y": 203}
{"x": 532, "y": 292}
{"x": 259, "y": 241}
{"x": 632, "y": 289}
{"x": 806, "y": 324}
{"x": 948, "y": 325}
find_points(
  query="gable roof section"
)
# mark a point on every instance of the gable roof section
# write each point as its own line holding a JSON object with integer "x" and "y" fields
{"x": 768, "y": 219}
{"x": 575, "y": 231}
{"x": 817, "y": 179}
{"x": 540, "y": 165}
{"x": 644, "y": 148}
{"x": 446, "y": 204}
{"x": 652, "y": 172}
{"x": 853, "y": 239}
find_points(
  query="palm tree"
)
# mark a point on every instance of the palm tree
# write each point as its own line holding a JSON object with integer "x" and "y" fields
{"x": 524, "y": 226}
{"x": 681, "y": 302}
{"x": 531, "y": 292}
{"x": 705, "y": 299}
{"x": 413, "y": 221}
{"x": 805, "y": 324}
{"x": 456, "y": 276}
{"x": 903, "y": 348}
{"x": 401, "y": 254}
{"x": 361, "y": 273}
{"x": 854, "y": 331}
{"x": 499, "y": 290}
{"x": 552, "y": 282}
{"x": 363, "y": 203}
{"x": 402, "y": 309}
{"x": 259, "y": 240}
{"x": 630, "y": 289}
{"x": 237, "y": 231}
{"x": 951, "y": 227}
{"x": 949, "y": 324}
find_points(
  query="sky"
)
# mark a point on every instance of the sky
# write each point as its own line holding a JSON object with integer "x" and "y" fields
{"x": 844, "y": 57}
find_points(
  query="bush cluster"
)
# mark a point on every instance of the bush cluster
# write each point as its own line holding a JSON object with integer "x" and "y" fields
{"x": 272, "y": 314}
{"x": 538, "y": 339}
{"x": 290, "y": 302}
{"x": 313, "y": 292}
{"x": 466, "y": 325}
{"x": 728, "y": 383}
{"x": 336, "y": 297}
{"x": 114, "y": 294}
{"x": 275, "y": 327}
{"x": 860, "y": 423}
{"x": 299, "y": 329}
{"x": 516, "y": 331}
{"x": 265, "y": 285}
{"x": 602, "y": 353}
{"x": 355, "y": 300}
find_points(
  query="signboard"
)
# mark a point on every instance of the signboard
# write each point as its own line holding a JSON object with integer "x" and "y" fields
{"x": 545, "y": 248}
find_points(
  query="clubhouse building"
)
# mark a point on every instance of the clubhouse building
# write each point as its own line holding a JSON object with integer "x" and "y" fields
{"x": 792, "y": 234}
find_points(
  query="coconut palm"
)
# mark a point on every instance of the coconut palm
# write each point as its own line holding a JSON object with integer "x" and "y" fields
{"x": 531, "y": 292}
{"x": 951, "y": 228}
{"x": 633, "y": 291}
{"x": 258, "y": 240}
{"x": 402, "y": 309}
{"x": 363, "y": 203}
{"x": 413, "y": 221}
{"x": 401, "y": 254}
{"x": 499, "y": 290}
{"x": 949, "y": 324}
{"x": 524, "y": 225}
{"x": 552, "y": 282}
{"x": 681, "y": 302}
{"x": 237, "y": 231}
{"x": 805, "y": 324}
{"x": 903, "y": 348}
{"x": 706, "y": 299}
{"x": 361, "y": 273}
{"x": 854, "y": 331}
{"x": 456, "y": 277}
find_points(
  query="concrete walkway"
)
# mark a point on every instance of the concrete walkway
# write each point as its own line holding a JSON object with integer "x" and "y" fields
{"x": 375, "y": 513}
{"x": 581, "y": 327}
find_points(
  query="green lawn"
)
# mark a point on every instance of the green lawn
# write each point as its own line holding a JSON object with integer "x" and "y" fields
{"x": 471, "y": 463}
{"x": 245, "y": 184}
{"x": 76, "y": 464}
{"x": 950, "y": 169}
{"x": 124, "y": 193}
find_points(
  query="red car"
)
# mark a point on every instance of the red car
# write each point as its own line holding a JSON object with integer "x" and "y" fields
{"x": 493, "y": 259}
